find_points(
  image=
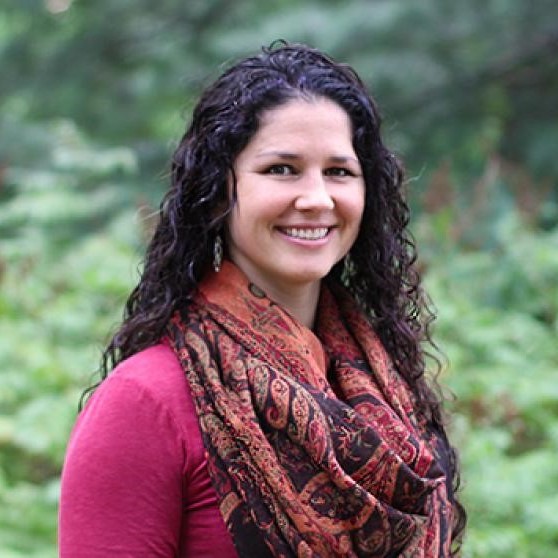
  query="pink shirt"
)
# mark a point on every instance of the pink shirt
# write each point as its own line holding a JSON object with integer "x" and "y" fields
{"x": 135, "y": 480}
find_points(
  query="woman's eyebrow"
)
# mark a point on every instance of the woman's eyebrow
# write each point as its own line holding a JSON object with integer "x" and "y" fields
{"x": 279, "y": 154}
{"x": 343, "y": 159}
{"x": 339, "y": 159}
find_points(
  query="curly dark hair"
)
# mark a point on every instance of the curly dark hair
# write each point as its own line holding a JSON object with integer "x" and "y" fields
{"x": 382, "y": 275}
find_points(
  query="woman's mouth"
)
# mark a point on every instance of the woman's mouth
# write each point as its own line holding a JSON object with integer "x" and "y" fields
{"x": 306, "y": 233}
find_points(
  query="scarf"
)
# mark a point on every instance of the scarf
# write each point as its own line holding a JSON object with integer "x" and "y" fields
{"x": 313, "y": 445}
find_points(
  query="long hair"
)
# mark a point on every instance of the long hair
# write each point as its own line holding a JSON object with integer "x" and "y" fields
{"x": 381, "y": 274}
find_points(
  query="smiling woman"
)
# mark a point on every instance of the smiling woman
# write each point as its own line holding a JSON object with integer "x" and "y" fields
{"x": 268, "y": 396}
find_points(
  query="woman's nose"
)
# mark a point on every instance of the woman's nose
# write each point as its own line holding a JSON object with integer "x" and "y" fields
{"x": 314, "y": 194}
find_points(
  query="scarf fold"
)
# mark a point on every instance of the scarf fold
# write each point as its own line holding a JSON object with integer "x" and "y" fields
{"x": 312, "y": 443}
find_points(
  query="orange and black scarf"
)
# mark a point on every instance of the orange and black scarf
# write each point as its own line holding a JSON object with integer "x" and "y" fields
{"x": 313, "y": 446}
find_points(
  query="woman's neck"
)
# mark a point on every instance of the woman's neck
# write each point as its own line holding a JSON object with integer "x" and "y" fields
{"x": 301, "y": 301}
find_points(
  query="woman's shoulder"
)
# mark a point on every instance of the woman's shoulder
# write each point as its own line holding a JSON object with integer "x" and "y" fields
{"x": 152, "y": 379}
{"x": 145, "y": 395}
{"x": 155, "y": 369}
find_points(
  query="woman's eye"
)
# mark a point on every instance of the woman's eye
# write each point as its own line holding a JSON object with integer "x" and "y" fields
{"x": 281, "y": 170}
{"x": 339, "y": 172}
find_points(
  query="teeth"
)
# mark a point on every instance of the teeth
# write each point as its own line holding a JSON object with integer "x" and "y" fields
{"x": 307, "y": 234}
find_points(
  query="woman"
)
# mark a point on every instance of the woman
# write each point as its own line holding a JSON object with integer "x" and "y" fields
{"x": 269, "y": 396}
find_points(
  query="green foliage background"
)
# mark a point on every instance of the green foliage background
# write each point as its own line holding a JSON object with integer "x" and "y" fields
{"x": 93, "y": 96}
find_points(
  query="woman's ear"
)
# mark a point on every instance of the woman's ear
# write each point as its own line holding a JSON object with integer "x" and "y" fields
{"x": 231, "y": 188}
{"x": 224, "y": 205}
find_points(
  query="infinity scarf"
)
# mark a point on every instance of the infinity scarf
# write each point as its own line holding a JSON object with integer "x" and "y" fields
{"x": 313, "y": 446}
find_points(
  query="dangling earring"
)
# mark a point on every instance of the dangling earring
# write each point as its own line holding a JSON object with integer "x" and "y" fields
{"x": 217, "y": 253}
{"x": 348, "y": 268}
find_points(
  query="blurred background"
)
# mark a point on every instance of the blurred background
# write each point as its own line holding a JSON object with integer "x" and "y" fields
{"x": 93, "y": 98}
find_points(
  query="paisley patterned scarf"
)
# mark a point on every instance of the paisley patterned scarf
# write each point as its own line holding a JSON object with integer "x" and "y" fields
{"x": 313, "y": 446}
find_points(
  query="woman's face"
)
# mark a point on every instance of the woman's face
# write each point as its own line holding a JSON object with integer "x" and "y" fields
{"x": 300, "y": 196}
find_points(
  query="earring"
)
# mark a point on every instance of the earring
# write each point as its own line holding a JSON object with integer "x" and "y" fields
{"x": 348, "y": 268}
{"x": 217, "y": 253}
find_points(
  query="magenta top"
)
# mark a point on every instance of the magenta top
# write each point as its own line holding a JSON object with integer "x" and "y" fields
{"x": 135, "y": 480}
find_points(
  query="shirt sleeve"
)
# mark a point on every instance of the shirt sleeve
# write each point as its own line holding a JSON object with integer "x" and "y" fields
{"x": 121, "y": 491}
